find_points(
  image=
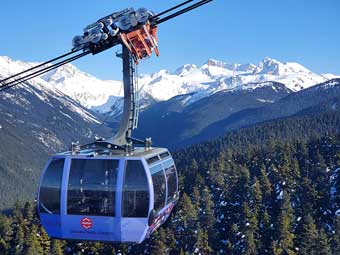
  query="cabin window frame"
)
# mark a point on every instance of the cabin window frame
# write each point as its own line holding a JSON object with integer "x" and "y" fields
{"x": 171, "y": 198}
{"x": 158, "y": 208}
{"x": 153, "y": 159}
{"x": 165, "y": 155}
{"x": 112, "y": 194}
{"x": 143, "y": 201}
{"x": 46, "y": 209}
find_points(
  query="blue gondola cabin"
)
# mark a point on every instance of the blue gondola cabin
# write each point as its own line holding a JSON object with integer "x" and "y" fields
{"x": 107, "y": 197}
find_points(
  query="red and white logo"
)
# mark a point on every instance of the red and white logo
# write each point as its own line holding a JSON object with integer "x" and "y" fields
{"x": 86, "y": 223}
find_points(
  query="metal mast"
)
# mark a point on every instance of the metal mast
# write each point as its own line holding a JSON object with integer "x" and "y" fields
{"x": 130, "y": 110}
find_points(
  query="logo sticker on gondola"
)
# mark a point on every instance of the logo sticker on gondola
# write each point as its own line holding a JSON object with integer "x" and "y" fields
{"x": 86, "y": 223}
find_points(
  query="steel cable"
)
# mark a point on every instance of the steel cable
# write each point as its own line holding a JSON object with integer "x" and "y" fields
{"x": 40, "y": 72}
{"x": 34, "y": 67}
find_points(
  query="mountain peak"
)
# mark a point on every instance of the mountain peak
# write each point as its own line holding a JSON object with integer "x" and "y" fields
{"x": 9, "y": 66}
{"x": 67, "y": 71}
{"x": 5, "y": 59}
{"x": 160, "y": 73}
{"x": 214, "y": 62}
{"x": 270, "y": 60}
{"x": 185, "y": 69}
{"x": 230, "y": 66}
{"x": 269, "y": 66}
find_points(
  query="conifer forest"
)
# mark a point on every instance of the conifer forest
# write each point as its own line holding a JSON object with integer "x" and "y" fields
{"x": 240, "y": 194}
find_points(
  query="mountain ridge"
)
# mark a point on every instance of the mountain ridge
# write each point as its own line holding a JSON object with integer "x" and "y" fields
{"x": 224, "y": 111}
{"x": 211, "y": 77}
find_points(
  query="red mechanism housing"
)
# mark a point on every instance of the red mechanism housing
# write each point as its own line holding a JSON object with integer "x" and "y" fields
{"x": 141, "y": 42}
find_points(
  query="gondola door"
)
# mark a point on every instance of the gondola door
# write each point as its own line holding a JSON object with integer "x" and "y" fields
{"x": 90, "y": 200}
{"x": 136, "y": 201}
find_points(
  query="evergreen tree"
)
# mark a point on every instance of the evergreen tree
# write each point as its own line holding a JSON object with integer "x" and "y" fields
{"x": 17, "y": 213}
{"x": 243, "y": 182}
{"x": 250, "y": 246}
{"x": 28, "y": 212}
{"x": 158, "y": 247}
{"x": 322, "y": 246}
{"x": 336, "y": 237}
{"x": 171, "y": 241}
{"x": 266, "y": 186}
{"x": 256, "y": 196}
{"x": 285, "y": 231}
{"x": 32, "y": 245}
{"x": 196, "y": 199}
{"x": 307, "y": 236}
{"x": 5, "y": 234}
{"x": 320, "y": 178}
{"x": 233, "y": 238}
{"x": 187, "y": 223}
{"x": 250, "y": 230}
{"x": 257, "y": 210}
{"x": 309, "y": 196}
{"x": 191, "y": 180}
{"x": 208, "y": 218}
{"x": 296, "y": 171}
{"x": 44, "y": 240}
{"x": 202, "y": 244}
{"x": 276, "y": 249}
{"x": 56, "y": 247}
{"x": 302, "y": 158}
{"x": 336, "y": 186}
{"x": 19, "y": 239}
{"x": 217, "y": 176}
{"x": 266, "y": 234}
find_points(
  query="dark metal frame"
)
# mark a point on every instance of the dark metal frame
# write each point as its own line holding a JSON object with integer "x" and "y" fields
{"x": 122, "y": 140}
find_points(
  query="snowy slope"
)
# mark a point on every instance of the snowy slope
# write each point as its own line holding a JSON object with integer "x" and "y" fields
{"x": 84, "y": 88}
{"x": 45, "y": 91}
{"x": 330, "y": 76}
{"x": 9, "y": 67}
{"x": 202, "y": 81}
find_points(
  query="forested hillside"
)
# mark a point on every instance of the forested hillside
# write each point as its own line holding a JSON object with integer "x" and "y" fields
{"x": 269, "y": 189}
{"x": 35, "y": 123}
{"x": 228, "y": 110}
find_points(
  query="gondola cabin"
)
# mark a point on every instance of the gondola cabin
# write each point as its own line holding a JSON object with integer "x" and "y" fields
{"x": 107, "y": 196}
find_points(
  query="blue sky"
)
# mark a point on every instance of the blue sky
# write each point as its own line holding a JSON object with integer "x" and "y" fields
{"x": 240, "y": 31}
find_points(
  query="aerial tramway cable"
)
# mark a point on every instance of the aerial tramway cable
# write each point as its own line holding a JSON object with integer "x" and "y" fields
{"x": 42, "y": 71}
{"x": 171, "y": 9}
{"x": 187, "y": 9}
{"x": 40, "y": 65}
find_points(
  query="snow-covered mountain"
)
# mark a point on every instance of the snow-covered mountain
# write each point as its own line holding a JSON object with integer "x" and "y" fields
{"x": 89, "y": 91}
{"x": 202, "y": 81}
{"x": 215, "y": 76}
